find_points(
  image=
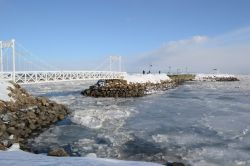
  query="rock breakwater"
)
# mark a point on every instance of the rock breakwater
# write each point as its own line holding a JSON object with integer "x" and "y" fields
{"x": 25, "y": 114}
{"x": 227, "y": 79}
{"x": 216, "y": 77}
{"x": 121, "y": 88}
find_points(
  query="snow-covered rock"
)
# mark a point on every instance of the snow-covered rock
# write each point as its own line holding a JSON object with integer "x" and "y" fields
{"x": 4, "y": 91}
{"x": 144, "y": 78}
{"x": 14, "y": 147}
{"x": 24, "y": 113}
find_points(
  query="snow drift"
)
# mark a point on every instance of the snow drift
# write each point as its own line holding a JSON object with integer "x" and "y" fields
{"x": 144, "y": 78}
{"x": 15, "y": 158}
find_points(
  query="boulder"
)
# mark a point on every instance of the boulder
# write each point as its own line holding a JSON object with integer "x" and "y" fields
{"x": 59, "y": 152}
{"x": 43, "y": 101}
{"x": 2, "y": 147}
{"x": 31, "y": 115}
{"x": 12, "y": 130}
{"x": 2, "y": 127}
{"x": 61, "y": 116}
{"x": 175, "y": 164}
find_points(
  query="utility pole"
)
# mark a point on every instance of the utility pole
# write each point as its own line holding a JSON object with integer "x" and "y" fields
{"x": 169, "y": 69}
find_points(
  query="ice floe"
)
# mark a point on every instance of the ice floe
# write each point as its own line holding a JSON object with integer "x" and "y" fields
{"x": 95, "y": 118}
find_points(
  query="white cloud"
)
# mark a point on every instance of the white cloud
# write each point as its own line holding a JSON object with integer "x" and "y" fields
{"x": 191, "y": 41}
{"x": 228, "y": 52}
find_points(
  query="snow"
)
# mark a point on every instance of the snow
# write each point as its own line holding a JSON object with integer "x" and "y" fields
{"x": 4, "y": 90}
{"x": 15, "y": 158}
{"x": 14, "y": 147}
{"x": 201, "y": 77}
{"x": 144, "y": 78}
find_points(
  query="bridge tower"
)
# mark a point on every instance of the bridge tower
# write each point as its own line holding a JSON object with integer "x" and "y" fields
{"x": 113, "y": 59}
{"x": 5, "y": 45}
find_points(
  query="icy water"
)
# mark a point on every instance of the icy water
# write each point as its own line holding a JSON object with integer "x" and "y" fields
{"x": 200, "y": 123}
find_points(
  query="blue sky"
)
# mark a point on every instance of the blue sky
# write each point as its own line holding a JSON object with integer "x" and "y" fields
{"x": 79, "y": 33}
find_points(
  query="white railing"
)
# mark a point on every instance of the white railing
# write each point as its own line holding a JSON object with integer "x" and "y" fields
{"x": 31, "y": 77}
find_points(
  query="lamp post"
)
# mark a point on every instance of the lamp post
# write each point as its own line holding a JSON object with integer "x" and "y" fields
{"x": 150, "y": 68}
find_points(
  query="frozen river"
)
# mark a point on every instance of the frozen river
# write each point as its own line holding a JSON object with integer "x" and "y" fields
{"x": 201, "y": 123}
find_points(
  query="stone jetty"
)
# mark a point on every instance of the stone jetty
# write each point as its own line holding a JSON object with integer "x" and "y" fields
{"x": 227, "y": 79}
{"x": 121, "y": 88}
{"x": 25, "y": 114}
{"x": 216, "y": 77}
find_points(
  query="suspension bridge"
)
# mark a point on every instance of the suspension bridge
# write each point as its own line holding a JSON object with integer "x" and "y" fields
{"x": 21, "y": 66}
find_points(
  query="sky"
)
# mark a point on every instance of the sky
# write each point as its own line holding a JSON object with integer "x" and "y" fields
{"x": 193, "y": 35}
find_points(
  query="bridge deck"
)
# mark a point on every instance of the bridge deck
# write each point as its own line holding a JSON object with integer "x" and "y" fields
{"x": 31, "y": 77}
